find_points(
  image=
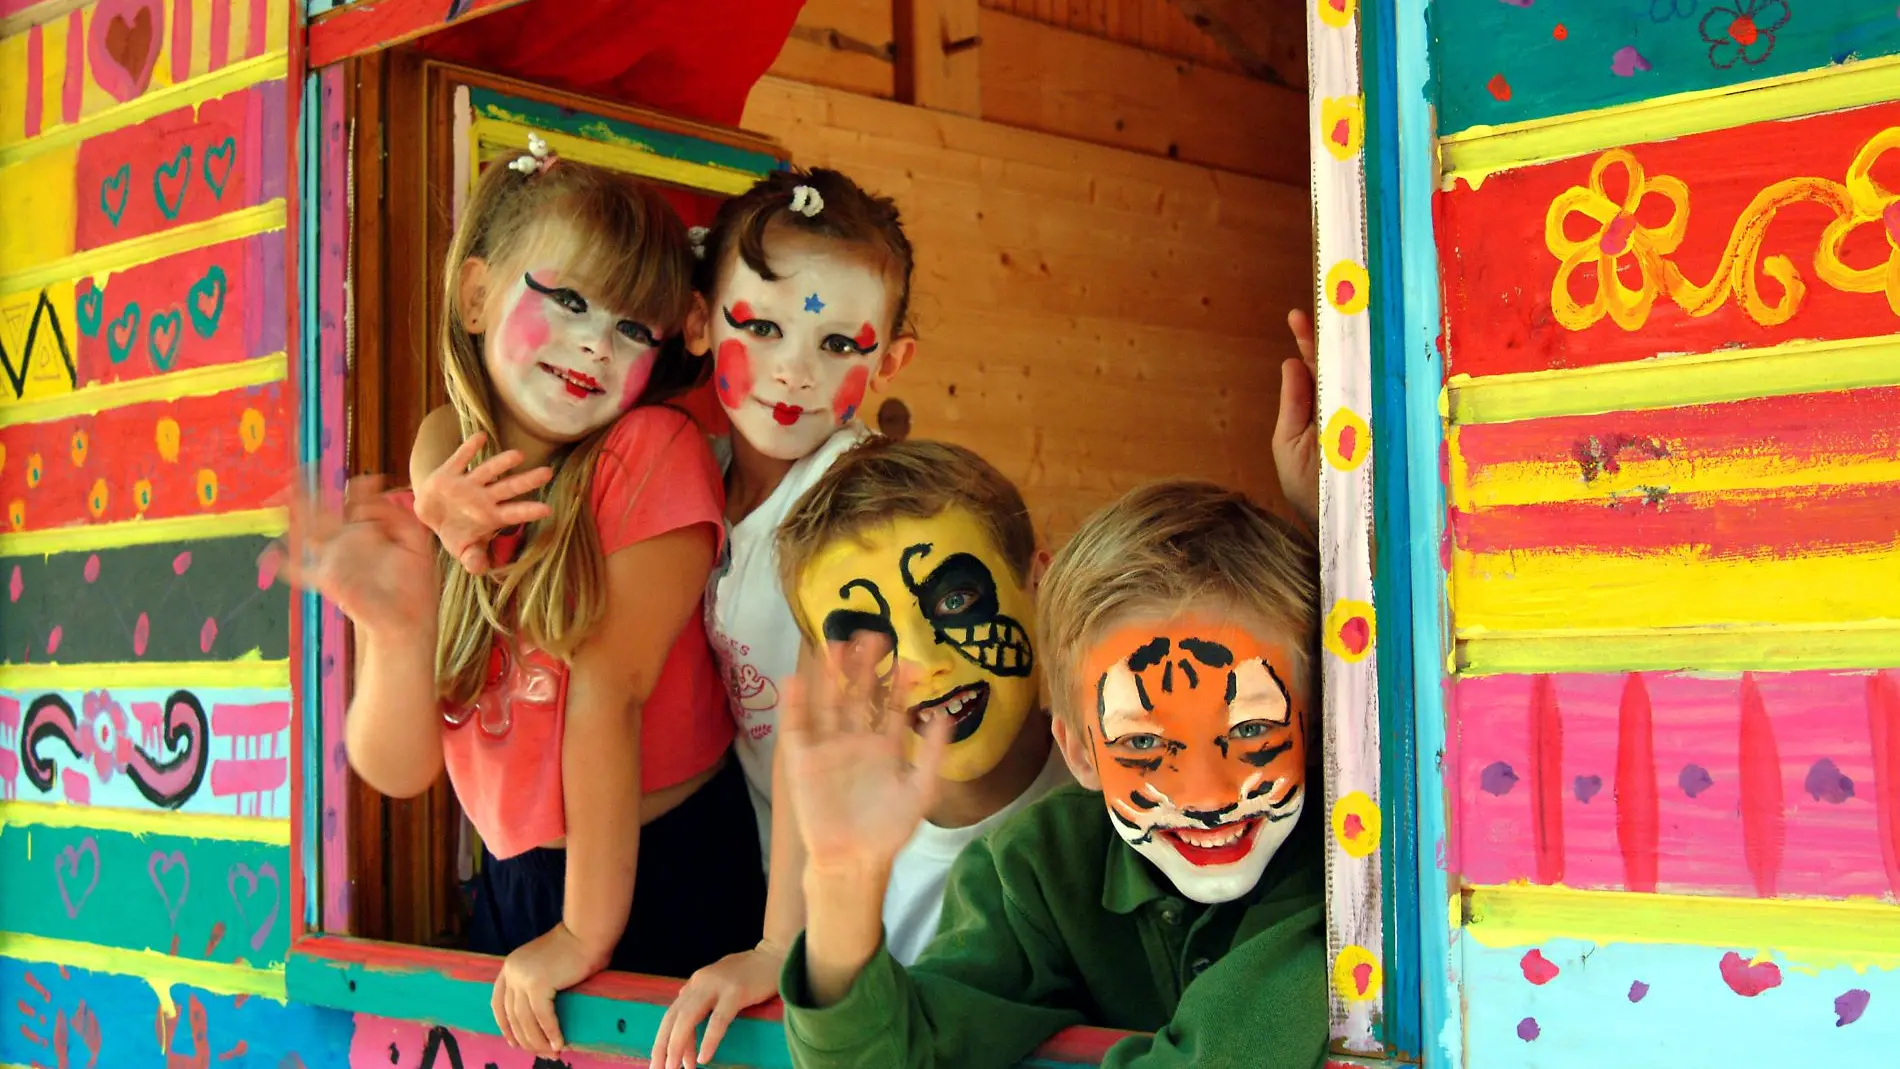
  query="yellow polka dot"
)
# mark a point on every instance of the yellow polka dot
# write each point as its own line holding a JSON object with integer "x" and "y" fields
{"x": 1350, "y": 630}
{"x": 1342, "y": 126}
{"x": 82, "y": 444}
{"x": 35, "y": 470}
{"x": 142, "y": 495}
{"x": 96, "y": 501}
{"x": 251, "y": 430}
{"x": 1356, "y": 975}
{"x": 1346, "y": 440}
{"x": 1348, "y": 288}
{"x": 168, "y": 440}
{"x": 16, "y": 514}
{"x": 3, "y": 456}
{"x": 207, "y": 487}
{"x": 1356, "y": 824}
{"x": 1337, "y": 13}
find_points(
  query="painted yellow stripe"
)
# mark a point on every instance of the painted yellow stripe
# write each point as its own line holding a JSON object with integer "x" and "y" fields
{"x": 1727, "y": 648}
{"x": 39, "y": 14}
{"x": 133, "y": 822}
{"x": 1475, "y": 154}
{"x": 1677, "y": 587}
{"x": 154, "y": 103}
{"x": 1534, "y": 482}
{"x": 495, "y": 137}
{"x": 253, "y": 672}
{"x": 198, "y": 382}
{"x": 1816, "y": 933}
{"x": 1676, "y": 380}
{"x": 162, "y": 969}
{"x": 143, "y": 250}
{"x": 144, "y": 532}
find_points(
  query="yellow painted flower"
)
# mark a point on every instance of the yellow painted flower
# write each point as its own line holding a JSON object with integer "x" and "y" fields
{"x": 1356, "y": 975}
{"x": 1350, "y": 630}
{"x": 142, "y": 495}
{"x": 82, "y": 445}
{"x": 1347, "y": 440}
{"x": 207, "y": 487}
{"x": 35, "y": 470}
{"x": 1337, "y": 13}
{"x": 1348, "y": 287}
{"x": 1614, "y": 243}
{"x": 96, "y": 501}
{"x": 1871, "y": 204}
{"x": 167, "y": 436}
{"x": 16, "y": 514}
{"x": 1342, "y": 125}
{"x": 251, "y": 430}
{"x": 1356, "y": 824}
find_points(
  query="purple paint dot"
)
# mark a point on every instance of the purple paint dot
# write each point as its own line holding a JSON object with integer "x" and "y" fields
{"x": 329, "y": 824}
{"x": 1849, "y": 1007}
{"x": 1498, "y": 778}
{"x": 1694, "y": 779}
{"x": 1527, "y": 1029}
{"x": 339, "y": 757}
{"x": 1827, "y": 783}
{"x": 326, "y": 439}
{"x": 1587, "y": 788}
{"x": 1628, "y": 62}
{"x": 1638, "y": 990}
{"x": 181, "y": 563}
{"x": 141, "y": 633}
{"x": 1519, "y": 3}
{"x": 207, "y": 635}
{"x": 92, "y": 568}
{"x": 328, "y": 665}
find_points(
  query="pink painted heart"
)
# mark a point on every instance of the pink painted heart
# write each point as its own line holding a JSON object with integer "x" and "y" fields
{"x": 249, "y": 894}
{"x": 123, "y": 45}
{"x": 1749, "y": 980}
{"x": 163, "y": 867}
{"x": 66, "y": 873}
{"x": 1538, "y": 969}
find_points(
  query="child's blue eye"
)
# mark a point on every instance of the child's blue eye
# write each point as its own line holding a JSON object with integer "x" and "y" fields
{"x": 955, "y": 602}
{"x": 1252, "y": 729}
{"x": 839, "y": 345}
{"x": 637, "y": 331}
{"x": 1140, "y": 743}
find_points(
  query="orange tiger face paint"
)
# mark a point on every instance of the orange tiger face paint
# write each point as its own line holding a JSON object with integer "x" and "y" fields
{"x": 1199, "y": 738}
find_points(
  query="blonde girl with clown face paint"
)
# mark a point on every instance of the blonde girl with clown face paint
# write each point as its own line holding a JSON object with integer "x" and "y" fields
{"x": 546, "y": 653}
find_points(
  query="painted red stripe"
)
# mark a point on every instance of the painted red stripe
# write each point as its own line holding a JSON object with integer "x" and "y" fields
{"x": 1784, "y": 522}
{"x": 220, "y": 33}
{"x": 1637, "y": 825}
{"x": 181, "y": 41}
{"x": 35, "y": 76}
{"x": 72, "y": 92}
{"x": 259, "y": 26}
{"x": 1763, "y": 815}
{"x": 1547, "y": 779}
{"x": 1883, "y": 711}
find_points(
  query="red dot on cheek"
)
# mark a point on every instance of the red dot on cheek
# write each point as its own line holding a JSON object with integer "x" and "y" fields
{"x": 866, "y": 337}
{"x": 851, "y": 394}
{"x": 732, "y": 372}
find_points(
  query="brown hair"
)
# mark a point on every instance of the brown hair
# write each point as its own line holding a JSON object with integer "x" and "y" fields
{"x": 630, "y": 251}
{"x": 850, "y": 215}
{"x": 882, "y": 479}
{"x": 1166, "y": 547}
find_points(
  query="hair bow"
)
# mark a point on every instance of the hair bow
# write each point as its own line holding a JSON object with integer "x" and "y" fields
{"x": 807, "y": 202}
{"x": 539, "y": 157}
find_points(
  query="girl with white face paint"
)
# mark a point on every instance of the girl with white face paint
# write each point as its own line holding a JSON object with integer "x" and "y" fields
{"x": 547, "y": 654}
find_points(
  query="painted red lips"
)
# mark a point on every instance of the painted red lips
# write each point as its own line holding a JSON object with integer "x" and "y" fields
{"x": 786, "y": 415}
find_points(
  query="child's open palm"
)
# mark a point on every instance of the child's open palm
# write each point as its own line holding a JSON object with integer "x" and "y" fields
{"x": 856, "y": 798}
{"x": 374, "y": 561}
{"x": 466, "y": 507}
{"x": 1296, "y": 431}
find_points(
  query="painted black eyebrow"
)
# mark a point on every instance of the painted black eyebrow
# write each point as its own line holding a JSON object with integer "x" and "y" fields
{"x": 1148, "y": 655}
{"x": 735, "y": 324}
{"x": 1211, "y": 654}
{"x": 546, "y": 291}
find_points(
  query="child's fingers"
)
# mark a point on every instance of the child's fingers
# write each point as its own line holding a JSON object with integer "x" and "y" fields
{"x": 515, "y": 485}
{"x": 723, "y": 1012}
{"x": 929, "y": 760}
{"x": 660, "y": 1035}
{"x": 527, "y": 1023}
{"x": 1296, "y": 401}
{"x": 1302, "y": 326}
{"x": 547, "y": 1022}
{"x": 465, "y": 453}
{"x": 692, "y": 1008}
{"x": 474, "y": 559}
{"x": 519, "y": 512}
{"x": 498, "y": 1003}
{"x": 497, "y": 466}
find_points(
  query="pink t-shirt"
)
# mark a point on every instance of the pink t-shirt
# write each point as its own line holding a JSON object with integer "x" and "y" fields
{"x": 655, "y": 474}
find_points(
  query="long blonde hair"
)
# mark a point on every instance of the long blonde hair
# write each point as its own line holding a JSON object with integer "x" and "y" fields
{"x": 633, "y": 252}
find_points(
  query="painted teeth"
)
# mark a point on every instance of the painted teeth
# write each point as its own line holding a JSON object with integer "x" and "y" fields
{"x": 1214, "y": 837}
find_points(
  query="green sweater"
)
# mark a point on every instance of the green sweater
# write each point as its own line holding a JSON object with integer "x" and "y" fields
{"x": 1051, "y": 921}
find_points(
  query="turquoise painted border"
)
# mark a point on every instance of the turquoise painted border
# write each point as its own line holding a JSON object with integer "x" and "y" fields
{"x": 309, "y": 448}
{"x": 491, "y": 104}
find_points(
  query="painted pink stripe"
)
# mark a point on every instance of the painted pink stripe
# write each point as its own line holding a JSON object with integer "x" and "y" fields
{"x": 246, "y": 721}
{"x": 1883, "y": 717}
{"x": 260, "y": 22}
{"x": 10, "y": 713}
{"x": 72, "y": 92}
{"x": 220, "y": 33}
{"x": 181, "y": 41}
{"x": 9, "y": 766}
{"x": 1829, "y": 843}
{"x": 35, "y": 79}
{"x": 78, "y": 787}
{"x": 248, "y": 777}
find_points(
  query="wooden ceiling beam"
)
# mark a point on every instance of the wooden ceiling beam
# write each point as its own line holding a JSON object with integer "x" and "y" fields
{"x": 1266, "y": 37}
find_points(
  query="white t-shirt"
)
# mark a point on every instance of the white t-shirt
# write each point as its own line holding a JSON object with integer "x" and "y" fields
{"x": 913, "y": 904}
{"x": 749, "y": 619}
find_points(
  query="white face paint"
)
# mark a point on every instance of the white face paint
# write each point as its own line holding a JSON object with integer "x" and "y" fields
{"x": 563, "y": 365}
{"x": 793, "y": 358}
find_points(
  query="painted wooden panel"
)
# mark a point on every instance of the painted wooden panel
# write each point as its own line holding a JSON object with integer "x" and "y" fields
{"x": 1706, "y": 242}
{"x": 197, "y": 309}
{"x": 213, "y": 900}
{"x": 210, "y": 751}
{"x": 200, "y": 455}
{"x": 1518, "y": 60}
{"x": 1763, "y": 784}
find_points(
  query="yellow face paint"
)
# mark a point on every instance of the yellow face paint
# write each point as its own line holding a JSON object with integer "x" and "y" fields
{"x": 940, "y": 591}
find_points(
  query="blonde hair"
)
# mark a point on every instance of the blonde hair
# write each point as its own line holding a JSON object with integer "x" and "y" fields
{"x": 630, "y": 251}
{"x": 1165, "y": 548}
{"x": 881, "y": 479}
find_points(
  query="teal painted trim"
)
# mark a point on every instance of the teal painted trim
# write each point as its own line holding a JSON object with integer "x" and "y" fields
{"x": 221, "y": 900}
{"x": 1392, "y": 589}
{"x": 1440, "y": 1024}
{"x": 309, "y": 450}
{"x": 1596, "y": 63}
{"x": 490, "y": 104}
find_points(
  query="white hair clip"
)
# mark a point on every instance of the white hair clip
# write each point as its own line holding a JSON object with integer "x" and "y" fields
{"x": 539, "y": 157}
{"x": 807, "y": 202}
{"x": 697, "y": 235}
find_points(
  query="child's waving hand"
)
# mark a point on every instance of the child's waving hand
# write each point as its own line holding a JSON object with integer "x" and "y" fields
{"x": 1296, "y": 432}
{"x": 373, "y": 561}
{"x": 466, "y": 507}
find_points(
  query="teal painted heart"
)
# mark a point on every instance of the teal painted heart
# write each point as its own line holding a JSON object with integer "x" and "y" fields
{"x": 92, "y": 310}
{"x": 162, "y": 335}
{"x": 205, "y": 302}
{"x": 123, "y": 333}
{"x": 112, "y": 193}
{"x": 177, "y": 172}
{"x": 218, "y": 161}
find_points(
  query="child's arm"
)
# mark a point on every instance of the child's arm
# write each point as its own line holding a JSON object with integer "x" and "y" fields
{"x": 1296, "y": 431}
{"x": 721, "y": 991}
{"x": 464, "y": 507}
{"x": 653, "y": 590}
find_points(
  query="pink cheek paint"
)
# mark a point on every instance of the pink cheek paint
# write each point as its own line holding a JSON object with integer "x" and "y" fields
{"x": 732, "y": 372}
{"x": 741, "y": 311}
{"x": 851, "y": 394}
{"x": 866, "y": 337}
{"x": 525, "y": 332}
{"x": 637, "y": 377}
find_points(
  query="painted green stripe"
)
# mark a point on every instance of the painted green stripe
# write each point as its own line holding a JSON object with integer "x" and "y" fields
{"x": 221, "y": 900}
{"x": 544, "y": 116}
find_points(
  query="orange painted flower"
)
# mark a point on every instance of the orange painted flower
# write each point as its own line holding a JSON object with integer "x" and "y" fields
{"x": 16, "y": 514}
{"x": 1356, "y": 824}
{"x": 82, "y": 445}
{"x": 1356, "y": 975}
{"x": 167, "y": 438}
{"x": 251, "y": 430}
{"x": 207, "y": 487}
{"x": 35, "y": 470}
{"x": 97, "y": 500}
{"x": 1614, "y": 244}
{"x": 142, "y": 495}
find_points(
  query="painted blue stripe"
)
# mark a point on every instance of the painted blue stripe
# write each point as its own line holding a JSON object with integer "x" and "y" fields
{"x": 1399, "y": 1027}
{"x": 309, "y": 448}
{"x": 1439, "y": 1002}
